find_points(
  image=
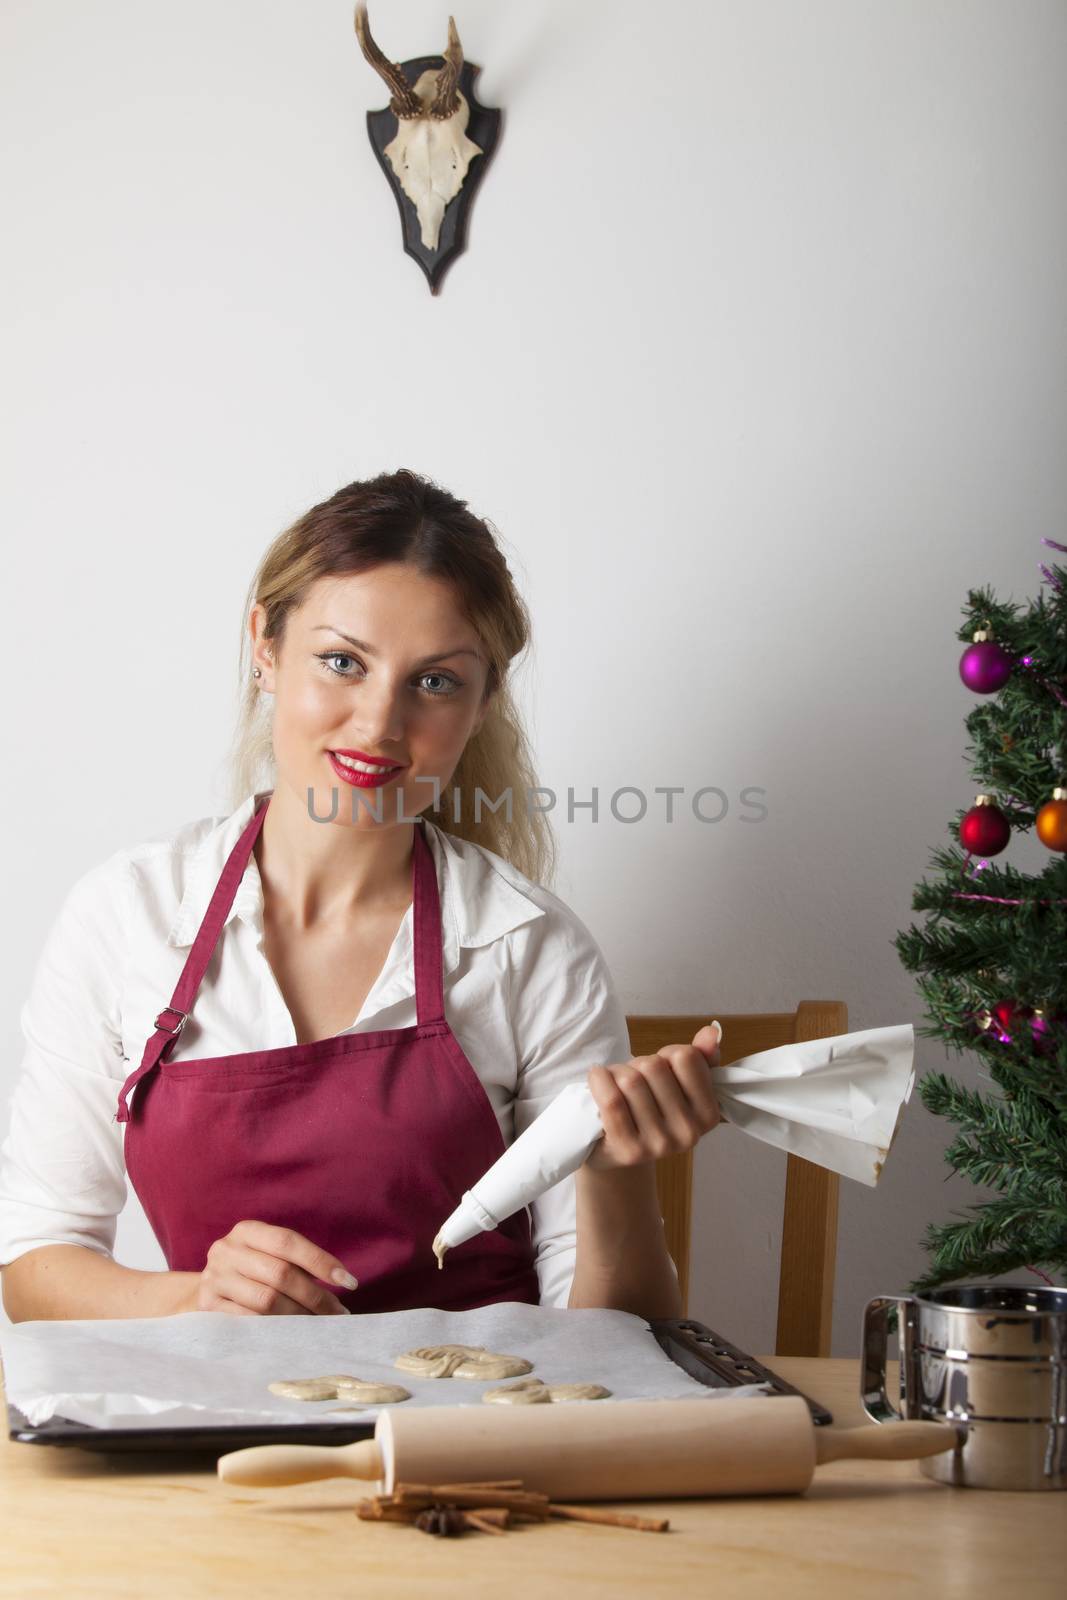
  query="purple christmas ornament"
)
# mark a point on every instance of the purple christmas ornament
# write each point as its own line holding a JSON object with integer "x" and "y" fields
{"x": 985, "y": 666}
{"x": 1041, "y": 1032}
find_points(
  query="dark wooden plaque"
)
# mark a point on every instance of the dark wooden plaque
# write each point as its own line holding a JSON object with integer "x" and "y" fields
{"x": 483, "y": 127}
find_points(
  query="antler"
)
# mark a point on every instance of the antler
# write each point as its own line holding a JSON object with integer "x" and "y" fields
{"x": 404, "y": 102}
{"x": 446, "y": 100}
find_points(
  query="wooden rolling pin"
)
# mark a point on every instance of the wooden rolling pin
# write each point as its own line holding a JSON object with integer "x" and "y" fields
{"x": 622, "y": 1450}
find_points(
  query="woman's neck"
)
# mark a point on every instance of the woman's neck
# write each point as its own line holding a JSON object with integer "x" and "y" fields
{"x": 319, "y": 873}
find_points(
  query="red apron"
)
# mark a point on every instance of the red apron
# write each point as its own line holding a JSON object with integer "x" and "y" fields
{"x": 363, "y": 1142}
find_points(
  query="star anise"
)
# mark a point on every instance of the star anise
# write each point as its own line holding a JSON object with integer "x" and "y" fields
{"x": 444, "y": 1520}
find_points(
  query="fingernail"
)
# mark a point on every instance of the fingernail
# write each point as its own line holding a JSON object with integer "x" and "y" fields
{"x": 716, "y": 1025}
{"x": 345, "y": 1279}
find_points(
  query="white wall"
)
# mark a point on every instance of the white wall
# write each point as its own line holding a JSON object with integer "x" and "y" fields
{"x": 756, "y": 359}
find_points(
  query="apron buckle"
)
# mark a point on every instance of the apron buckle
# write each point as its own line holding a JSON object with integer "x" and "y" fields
{"x": 169, "y": 1011}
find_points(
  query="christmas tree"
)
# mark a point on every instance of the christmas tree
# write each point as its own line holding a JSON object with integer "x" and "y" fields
{"x": 991, "y": 958}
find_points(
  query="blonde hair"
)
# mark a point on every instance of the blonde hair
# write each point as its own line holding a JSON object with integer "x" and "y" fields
{"x": 400, "y": 516}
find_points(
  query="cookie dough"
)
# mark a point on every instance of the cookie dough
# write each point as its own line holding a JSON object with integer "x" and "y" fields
{"x": 305, "y": 1388}
{"x": 340, "y": 1386}
{"x": 368, "y": 1392}
{"x": 578, "y": 1391}
{"x": 461, "y": 1361}
{"x": 527, "y": 1392}
{"x": 532, "y": 1391}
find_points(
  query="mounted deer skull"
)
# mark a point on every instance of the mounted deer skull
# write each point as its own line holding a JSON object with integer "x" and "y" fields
{"x": 431, "y": 153}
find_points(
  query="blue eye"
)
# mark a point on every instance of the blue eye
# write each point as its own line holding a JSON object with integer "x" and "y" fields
{"x": 336, "y": 655}
{"x": 451, "y": 683}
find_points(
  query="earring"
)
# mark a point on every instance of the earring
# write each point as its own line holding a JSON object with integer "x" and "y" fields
{"x": 256, "y": 673}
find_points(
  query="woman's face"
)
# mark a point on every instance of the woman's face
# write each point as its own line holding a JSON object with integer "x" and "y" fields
{"x": 383, "y": 664}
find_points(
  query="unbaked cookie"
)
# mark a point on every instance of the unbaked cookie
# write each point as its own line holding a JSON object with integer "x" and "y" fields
{"x": 532, "y": 1391}
{"x": 305, "y": 1388}
{"x": 340, "y": 1386}
{"x": 527, "y": 1392}
{"x": 577, "y": 1391}
{"x": 368, "y": 1392}
{"x": 460, "y": 1361}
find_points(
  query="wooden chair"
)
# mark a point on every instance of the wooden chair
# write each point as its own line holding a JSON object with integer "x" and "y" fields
{"x": 809, "y": 1223}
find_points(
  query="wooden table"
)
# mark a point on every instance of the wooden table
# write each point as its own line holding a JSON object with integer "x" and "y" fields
{"x": 79, "y": 1524}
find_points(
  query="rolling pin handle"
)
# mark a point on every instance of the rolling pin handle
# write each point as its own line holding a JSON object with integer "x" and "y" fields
{"x": 900, "y": 1441}
{"x": 267, "y": 1466}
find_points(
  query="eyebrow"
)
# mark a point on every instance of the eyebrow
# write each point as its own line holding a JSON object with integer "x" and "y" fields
{"x": 368, "y": 649}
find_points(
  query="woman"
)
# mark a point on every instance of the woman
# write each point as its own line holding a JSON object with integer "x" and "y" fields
{"x": 289, "y": 1159}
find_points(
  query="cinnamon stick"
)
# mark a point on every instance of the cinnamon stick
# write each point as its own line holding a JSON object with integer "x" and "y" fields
{"x": 422, "y": 1495}
{"x": 613, "y": 1519}
{"x": 490, "y": 1507}
{"x": 492, "y": 1520}
{"x": 375, "y": 1511}
{"x": 490, "y": 1483}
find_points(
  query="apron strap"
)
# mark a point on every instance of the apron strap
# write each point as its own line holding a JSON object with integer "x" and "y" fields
{"x": 426, "y": 917}
{"x": 171, "y": 1019}
{"x": 426, "y": 920}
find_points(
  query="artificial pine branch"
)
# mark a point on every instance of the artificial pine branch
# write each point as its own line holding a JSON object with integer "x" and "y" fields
{"x": 1002, "y": 1236}
{"x": 990, "y": 1265}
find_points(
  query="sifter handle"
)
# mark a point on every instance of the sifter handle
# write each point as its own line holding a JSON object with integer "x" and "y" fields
{"x": 267, "y": 1466}
{"x": 892, "y": 1441}
{"x": 876, "y": 1401}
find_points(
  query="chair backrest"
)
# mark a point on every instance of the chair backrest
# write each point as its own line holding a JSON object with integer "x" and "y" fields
{"x": 809, "y": 1223}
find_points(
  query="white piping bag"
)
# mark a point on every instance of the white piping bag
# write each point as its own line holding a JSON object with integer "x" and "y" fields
{"x": 837, "y": 1102}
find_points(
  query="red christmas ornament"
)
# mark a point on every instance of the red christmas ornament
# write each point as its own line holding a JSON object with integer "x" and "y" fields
{"x": 985, "y": 666}
{"x": 1052, "y": 821}
{"x": 1007, "y": 1014}
{"x": 985, "y": 830}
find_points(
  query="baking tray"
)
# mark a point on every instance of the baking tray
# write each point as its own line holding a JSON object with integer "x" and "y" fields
{"x": 713, "y": 1360}
{"x": 703, "y": 1354}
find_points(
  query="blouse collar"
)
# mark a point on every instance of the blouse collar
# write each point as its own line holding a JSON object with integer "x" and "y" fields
{"x": 482, "y": 895}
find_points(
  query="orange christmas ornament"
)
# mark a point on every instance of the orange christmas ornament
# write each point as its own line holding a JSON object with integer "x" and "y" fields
{"x": 1052, "y": 821}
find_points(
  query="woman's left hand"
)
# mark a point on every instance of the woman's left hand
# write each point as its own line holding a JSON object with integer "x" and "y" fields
{"x": 656, "y": 1106}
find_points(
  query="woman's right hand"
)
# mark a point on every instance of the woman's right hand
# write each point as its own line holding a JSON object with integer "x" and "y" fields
{"x": 259, "y": 1270}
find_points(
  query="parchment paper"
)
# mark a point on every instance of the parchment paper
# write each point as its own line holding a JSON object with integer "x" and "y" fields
{"x": 204, "y": 1368}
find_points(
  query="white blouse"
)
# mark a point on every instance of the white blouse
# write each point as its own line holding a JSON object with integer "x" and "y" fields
{"x": 528, "y": 995}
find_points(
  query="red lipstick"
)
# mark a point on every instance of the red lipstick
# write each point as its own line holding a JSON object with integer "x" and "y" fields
{"x": 356, "y": 778}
